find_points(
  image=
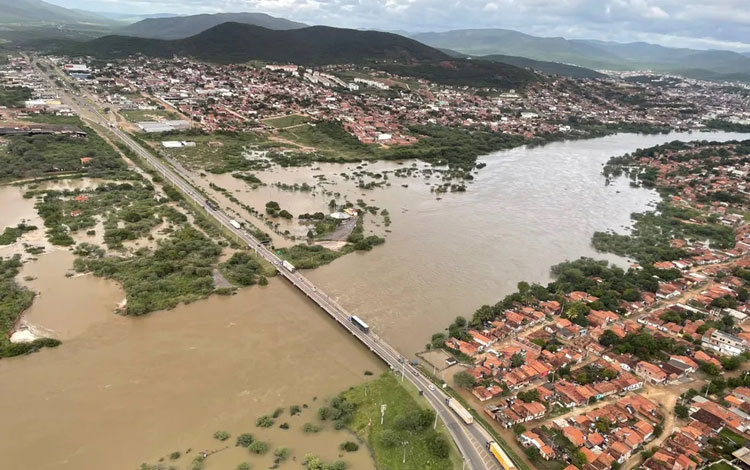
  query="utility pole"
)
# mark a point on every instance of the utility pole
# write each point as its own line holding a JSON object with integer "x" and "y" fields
{"x": 434, "y": 426}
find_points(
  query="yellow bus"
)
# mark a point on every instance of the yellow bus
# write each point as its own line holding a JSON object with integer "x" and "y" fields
{"x": 500, "y": 455}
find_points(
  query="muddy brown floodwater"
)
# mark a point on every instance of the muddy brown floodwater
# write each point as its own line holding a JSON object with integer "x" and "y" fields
{"x": 127, "y": 390}
{"x": 121, "y": 390}
{"x": 528, "y": 209}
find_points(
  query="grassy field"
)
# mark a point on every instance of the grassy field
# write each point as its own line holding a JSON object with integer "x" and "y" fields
{"x": 148, "y": 115}
{"x": 219, "y": 152}
{"x": 732, "y": 436}
{"x": 287, "y": 121}
{"x": 400, "y": 401}
{"x": 721, "y": 466}
{"x": 331, "y": 140}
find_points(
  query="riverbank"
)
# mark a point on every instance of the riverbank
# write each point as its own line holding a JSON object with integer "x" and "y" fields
{"x": 521, "y": 352}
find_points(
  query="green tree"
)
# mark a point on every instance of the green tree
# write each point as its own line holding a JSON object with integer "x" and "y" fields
{"x": 681, "y": 411}
{"x": 608, "y": 338}
{"x": 390, "y": 438}
{"x": 438, "y": 445}
{"x": 464, "y": 379}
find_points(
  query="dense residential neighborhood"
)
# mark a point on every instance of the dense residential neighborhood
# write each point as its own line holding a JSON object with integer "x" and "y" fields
{"x": 382, "y": 109}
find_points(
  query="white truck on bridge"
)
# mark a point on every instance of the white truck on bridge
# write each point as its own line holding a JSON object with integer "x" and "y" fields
{"x": 462, "y": 412}
{"x": 288, "y": 266}
{"x": 235, "y": 224}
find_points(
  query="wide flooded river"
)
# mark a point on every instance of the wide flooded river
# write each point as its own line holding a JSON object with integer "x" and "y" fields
{"x": 121, "y": 390}
{"x": 527, "y": 210}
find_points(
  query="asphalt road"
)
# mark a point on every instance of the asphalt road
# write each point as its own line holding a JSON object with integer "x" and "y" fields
{"x": 470, "y": 439}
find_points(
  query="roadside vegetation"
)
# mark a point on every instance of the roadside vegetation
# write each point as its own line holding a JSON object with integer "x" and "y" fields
{"x": 406, "y": 420}
{"x": 46, "y": 155}
{"x": 242, "y": 269}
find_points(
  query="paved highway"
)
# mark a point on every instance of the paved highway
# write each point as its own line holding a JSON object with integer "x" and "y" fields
{"x": 470, "y": 439}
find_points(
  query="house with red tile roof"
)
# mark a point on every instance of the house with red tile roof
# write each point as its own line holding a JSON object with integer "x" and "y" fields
{"x": 574, "y": 435}
{"x": 650, "y": 372}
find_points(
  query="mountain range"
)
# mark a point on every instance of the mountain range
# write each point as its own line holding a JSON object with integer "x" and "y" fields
{"x": 314, "y": 45}
{"x": 239, "y": 42}
{"x": 28, "y": 21}
{"x": 182, "y": 27}
{"x": 702, "y": 64}
{"x": 38, "y": 12}
{"x": 549, "y": 68}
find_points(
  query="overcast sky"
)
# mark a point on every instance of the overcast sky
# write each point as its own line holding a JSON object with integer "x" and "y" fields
{"x": 705, "y": 24}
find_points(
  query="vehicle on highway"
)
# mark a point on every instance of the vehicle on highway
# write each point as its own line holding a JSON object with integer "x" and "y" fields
{"x": 431, "y": 387}
{"x": 500, "y": 455}
{"x": 235, "y": 224}
{"x": 359, "y": 323}
{"x": 462, "y": 412}
{"x": 288, "y": 266}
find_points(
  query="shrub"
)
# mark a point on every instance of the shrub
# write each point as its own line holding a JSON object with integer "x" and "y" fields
{"x": 310, "y": 428}
{"x": 258, "y": 447}
{"x": 244, "y": 440}
{"x": 350, "y": 446}
{"x": 244, "y": 466}
{"x": 175, "y": 455}
{"x": 221, "y": 435}
{"x": 264, "y": 422}
{"x": 281, "y": 454}
{"x": 295, "y": 410}
{"x": 390, "y": 438}
{"x": 324, "y": 413}
{"x": 198, "y": 463}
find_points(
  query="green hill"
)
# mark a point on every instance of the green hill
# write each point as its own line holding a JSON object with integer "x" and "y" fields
{"x": 185, "y": 26}
{"x": 550, "y": 68}
{"x": 466, "y": 72}
{"x": 692, "y": 63}
{"x": 235, "y": 42}
{"x": 483, "y": 42}
{"x": 21, "y": 12}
